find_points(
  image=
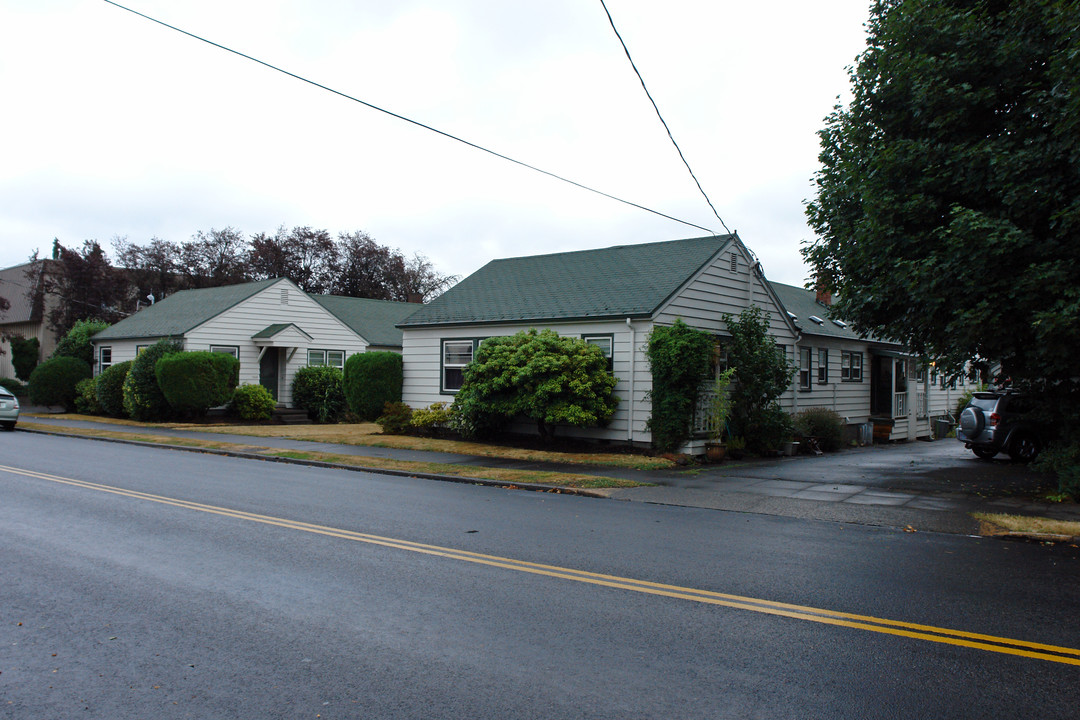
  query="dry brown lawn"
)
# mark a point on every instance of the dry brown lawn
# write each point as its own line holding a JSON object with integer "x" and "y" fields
{"x": 1001, "y": 524}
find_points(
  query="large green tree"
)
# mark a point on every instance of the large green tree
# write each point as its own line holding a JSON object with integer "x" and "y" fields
{"x": 948, "y": 201}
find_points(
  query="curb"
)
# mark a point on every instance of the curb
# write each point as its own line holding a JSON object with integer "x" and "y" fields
{"x": 459, "y": 479}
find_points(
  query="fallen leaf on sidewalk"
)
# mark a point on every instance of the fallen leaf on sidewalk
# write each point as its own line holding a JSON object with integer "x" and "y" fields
{"x": 910, "y": 529}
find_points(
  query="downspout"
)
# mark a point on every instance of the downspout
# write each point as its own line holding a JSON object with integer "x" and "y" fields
{"x": 630, "y": 408}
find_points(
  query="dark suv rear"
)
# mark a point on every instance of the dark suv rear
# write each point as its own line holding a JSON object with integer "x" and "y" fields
{"x": 996, "y": 422}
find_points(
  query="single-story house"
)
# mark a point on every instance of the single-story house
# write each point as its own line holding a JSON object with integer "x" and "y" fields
{"x": 614, "y": 297}
{"x": 272, "y": 327}
{"x": 27, "y": 315}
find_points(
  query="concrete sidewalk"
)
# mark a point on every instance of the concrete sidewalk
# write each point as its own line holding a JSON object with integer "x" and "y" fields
{"x": 919, "y": 486}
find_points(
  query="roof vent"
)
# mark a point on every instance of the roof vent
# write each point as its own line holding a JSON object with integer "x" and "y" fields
{"x": 734, "y": 262}
{"x": 816, "y": 319}
{"x": 792, "y": 315}
{"x": 284, "y": 296}
{"x": 839, "y": 323}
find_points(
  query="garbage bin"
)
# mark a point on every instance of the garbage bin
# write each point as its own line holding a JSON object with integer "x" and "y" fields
{"x": 942, "y": 427}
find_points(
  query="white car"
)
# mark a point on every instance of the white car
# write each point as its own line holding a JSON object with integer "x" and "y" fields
{"x": 9, "y": 409}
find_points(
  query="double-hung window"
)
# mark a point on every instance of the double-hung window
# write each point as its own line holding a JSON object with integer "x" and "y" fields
{"x": 805, "y": 368}
{"x": 605, "y": 343}
{"x": 104, "y": 358}
{"x": 456, "y": 354}
{"x": 850, "y": 366}
{"x": 822, "y": 366}
{"x": 331, "y": 358}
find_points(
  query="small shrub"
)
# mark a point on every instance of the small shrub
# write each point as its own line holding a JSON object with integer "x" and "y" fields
{"x": 194, "y": 382}
{"x": 372, "y": 379}
{"x": 395, "y": 419}
{"x": 53, "y": 381}
{"x": 14, "y": 386}
{"x": 821, "y": 423}
{"x": 432, "y": 419}
{"x": 253, "y": 403}
{"x": 76, "y": 341}
{"x": 86, "y": 401}
{"x": 320, "y": 391}
{"x": 25, "y": 353}
{"x": 767, "y": 429}
{"x": 1062, "y": 459}
{"x": 143, "y": 399}
{"x": 109, "y": 386}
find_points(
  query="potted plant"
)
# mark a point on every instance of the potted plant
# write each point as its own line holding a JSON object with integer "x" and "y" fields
{"x": 719, "y": 410}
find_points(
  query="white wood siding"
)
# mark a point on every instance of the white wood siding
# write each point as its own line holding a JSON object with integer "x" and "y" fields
{"x": 850, "y": 400}
{"x": 235, "y": 326}
{"x": 422, "y": 366}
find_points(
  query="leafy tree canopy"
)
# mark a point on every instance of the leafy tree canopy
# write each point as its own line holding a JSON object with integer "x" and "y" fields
{"x": 948, "y": 201}
{"x": 551, "y": 379}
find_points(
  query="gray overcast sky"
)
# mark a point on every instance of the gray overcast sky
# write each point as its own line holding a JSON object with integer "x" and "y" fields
{"x": 115, "y": 126}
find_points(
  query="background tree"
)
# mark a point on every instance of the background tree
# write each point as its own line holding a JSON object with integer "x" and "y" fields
{"x": 215, "y": 258}
{"x": 948, "y": 202}
{"x": 550, "y": 379}
{"x": 88, "y": 286}
{"x": 150, "y": 269}
{"x": 305, "y": 256}
{"x": 762, "y": 375}
{"x": 25, "y": 354}
{"x": 369, "y": 270}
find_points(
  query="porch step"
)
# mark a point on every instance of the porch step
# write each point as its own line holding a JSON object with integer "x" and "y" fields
{"x": 291, "y": 416}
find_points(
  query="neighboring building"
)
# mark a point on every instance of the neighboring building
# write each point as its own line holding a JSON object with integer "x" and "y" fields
{"x": 272, "y": 326}
{"x": 865, "y": 380}
{"x": 22, "y": 286}
{"x": 611, "y": 297}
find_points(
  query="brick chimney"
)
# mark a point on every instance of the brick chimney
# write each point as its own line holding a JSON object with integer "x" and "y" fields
{"x": 824, "y": 297}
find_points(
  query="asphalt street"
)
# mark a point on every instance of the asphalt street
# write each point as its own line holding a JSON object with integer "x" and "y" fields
{"x": 145, "y": 582}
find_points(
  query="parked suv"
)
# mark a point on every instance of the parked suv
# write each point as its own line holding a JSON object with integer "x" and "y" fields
{"x": 996, "y": 422}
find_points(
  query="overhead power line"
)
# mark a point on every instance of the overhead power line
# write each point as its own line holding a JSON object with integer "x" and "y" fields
{"x": 409, "y": 120}
{"x": 662, "y": 121}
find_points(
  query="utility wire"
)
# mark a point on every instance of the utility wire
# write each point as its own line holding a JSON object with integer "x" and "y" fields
{"x": 409, "y": 120}
{"x": 662, "y": 121}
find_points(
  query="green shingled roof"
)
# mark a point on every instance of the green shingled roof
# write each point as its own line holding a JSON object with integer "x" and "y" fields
{"x": 803, "y": 304}
{"x": 182, "y": 311}
{"x": 373, "y": 320}
{"x": 628, "y": 280}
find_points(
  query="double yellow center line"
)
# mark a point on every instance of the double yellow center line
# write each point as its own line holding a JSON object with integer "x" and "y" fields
{"x": 990, "y": 643}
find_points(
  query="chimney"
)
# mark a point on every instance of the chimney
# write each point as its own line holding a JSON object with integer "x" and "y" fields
{"x": 823, "y": 297}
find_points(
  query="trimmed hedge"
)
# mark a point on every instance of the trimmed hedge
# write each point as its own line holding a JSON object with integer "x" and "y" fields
{"x": 53, "y": 381}
{"x": 822, "y": 423}
{"x": 24, "y": 355}
{"x": 143, "y": 399}
{"x": 319, "y": 390}
{"x": 86, "y": 401}
{"x": 253, "y": 402}
{"x": 109, "y": 386}
{"x": 193, "y": 382}
{"x": 372, "y": 379}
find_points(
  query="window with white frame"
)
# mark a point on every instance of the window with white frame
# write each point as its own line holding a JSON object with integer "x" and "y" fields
{"x": 605, "y": 343}
{"x": 822, "y": 366}
{"x": 104, "y": 358}
{"x": 850, "y": 366}
{"x": 226, "y": 349}
{"x": 331, "y": 358}
{"x": 805, "y": 368}
{"x": 456, "y": 354}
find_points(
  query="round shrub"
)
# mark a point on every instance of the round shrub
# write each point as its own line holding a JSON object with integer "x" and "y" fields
{"x": 823, "y": 424}
{"x": 253, "y": 403}
{"x": 86, "y": 401}
{"x": 143, "y": 399}
{"x": 53, "y": 381}
{"x": 76, "y": 341}
{"x": 319, "y": 390}
{"x": 431, "y": 420}
{"x": 396, "y": 419}
{"x": 109, "y": 386}
{"x": 25, "y": 353}
{"x": 372, "y": 379}
{"x": 194, "y": 382}
{"x": 15, "y": 387}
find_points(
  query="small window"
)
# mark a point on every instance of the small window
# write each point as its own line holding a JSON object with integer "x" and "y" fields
{"x": 850, "y": 366}
{"x": 605, "y": 343}
{"x": 332, "y": 358}
{"x": 822, "y": 366}
{"x": 104, "y": 358}
{"x": 316, "y": 358}
{"x": 140, "y": 348}
{"x": 227, "y": 349}
{"x": 456, "y": 354}
{"x": 805, "y": 368}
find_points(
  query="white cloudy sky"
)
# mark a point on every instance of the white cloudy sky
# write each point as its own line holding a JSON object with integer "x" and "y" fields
{"x": 114, "y": 126}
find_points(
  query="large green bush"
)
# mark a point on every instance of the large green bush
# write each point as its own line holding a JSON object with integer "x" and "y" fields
{"x": 193, "y": 382}
{"x": 823, "y": 424}
{"x": 549, "y": 379}
{"x": 680, "y": 358}
{"x": 372, "y": 379}
{"x": 25, "y": 353}
{"x": 762, "y": 375}
{"x": 109, "y": 386}
{"x": 14, "y": 386}
{"x": 143, "y": 399}
{"x": 53, "y": 381}
{"x": 86, "y": 401}
{"x": 253, "y": 403}
{"x": 319, "y": 389}
{"x": 76, "y": 342}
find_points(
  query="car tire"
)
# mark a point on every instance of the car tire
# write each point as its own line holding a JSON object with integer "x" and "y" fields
{"x": 984, "y": 453}
{"x": 972, "y": 422}
{"x": 9, "y": 426}
{"x": 1023, "y": 448}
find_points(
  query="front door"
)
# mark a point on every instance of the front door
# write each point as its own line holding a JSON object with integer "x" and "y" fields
{"x": 268, "y": 371}
{"x": 881, "y": 384}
